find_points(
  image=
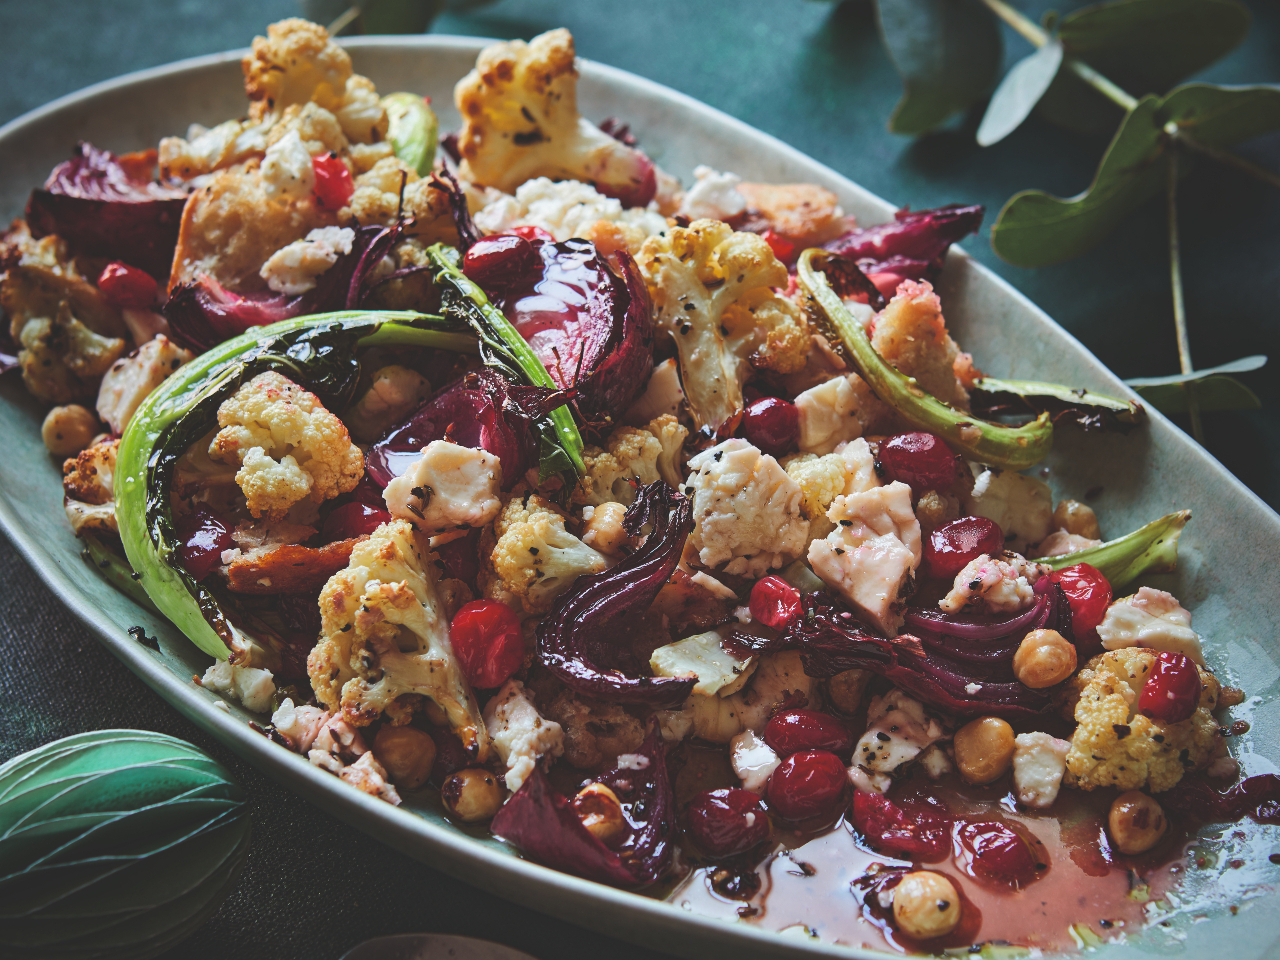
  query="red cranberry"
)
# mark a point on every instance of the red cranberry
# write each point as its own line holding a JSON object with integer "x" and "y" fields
{"x": 333, "y": 187}
{"x": 917, "y": 834}
{"x": 533, "y": 233}
{"x": 1088, "y": 595}
{"x": 922, "y": 461}
{"x": 126, "y": 286}
{"x": 353, "y": 519}
{"x": 793, "y": 731}
{"x": 1172, "y": 691}
{"x": 488, "y": 642}
{"x": 995, "y": 851}
{"x": 953, "y": 545}
{"x": 726, "y": 822}
{"x": 774, "y": 602}
{"x": 782, "y": 248}
{"x": 202, "y": 536}
{"x": 812, "y": 785}
{"x": 502, "y": 263}
{"x": 773, "y": 425}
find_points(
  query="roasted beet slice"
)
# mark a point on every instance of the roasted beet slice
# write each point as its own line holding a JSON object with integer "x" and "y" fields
{"x": 109, "y": 206}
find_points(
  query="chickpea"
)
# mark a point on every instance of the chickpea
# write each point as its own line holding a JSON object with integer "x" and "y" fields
{"x": 604, "y": 531}
{"x": 984, "y": 749}
{"x": 68, "y": 430}
{"x": 1078, "y": 518}
{"x": 925, "y": 905}
{"x": 1136, "y": 822}
{"x": 407, "y": 754}
{"x": 600, "y": 811}
{"x": 846, "y": 688}
{"x": 1044, "y": 657}
{"x": 472, "y": 795}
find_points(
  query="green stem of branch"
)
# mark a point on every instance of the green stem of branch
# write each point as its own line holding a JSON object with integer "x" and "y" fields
{"x": 1230, "y": 159}
{"x": 344, "y": 19}
{"x": 1179, "y": 303}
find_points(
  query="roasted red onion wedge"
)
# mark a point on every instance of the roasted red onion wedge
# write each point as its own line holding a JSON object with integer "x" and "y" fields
{"x": 911, "y": 247}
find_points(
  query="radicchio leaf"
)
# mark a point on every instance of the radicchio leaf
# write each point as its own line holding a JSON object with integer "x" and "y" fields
{"x": 578, "y": 641}
{"x": 109, "y": 206}
{"x": 542, "y": 823}
{"x": 204, "y": 314}
{"x": 960, "y": 675}
{"x": 447, "y": 183}
{"x": 911, "y": 247}
{"x": 588, "y": 319}
{"x": 480, "y": 409}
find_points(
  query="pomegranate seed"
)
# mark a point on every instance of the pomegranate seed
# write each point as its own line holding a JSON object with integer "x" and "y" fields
{"x": 333, "y": 187}
{"x": 812, "y": 785}
{"x": 532, "y": 233}
{"x": 353, "y": 519}
{"x": 922, "y": 461}
{"x": 916, "y": 835}
{"x": 1172, "y": 692}
{"x": 773, "y": 425}
{"x": 1088, "y": 594}
{"x": 953, "y": 545}
{"x": 782, "y": 248}
{"x": 202, "y": 536}
{"x": 502, "y": 263}
{"x": 995, "y": 851}
{"x": 793, "y": 731}
{"x": 488, "y": 642}
{"x": 726, "y": 822}
{"x": 126, "y": 286}
{"x": 774, "y": 602}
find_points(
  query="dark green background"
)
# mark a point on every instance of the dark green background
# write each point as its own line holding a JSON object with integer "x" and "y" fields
{"x": 813, "y": 74}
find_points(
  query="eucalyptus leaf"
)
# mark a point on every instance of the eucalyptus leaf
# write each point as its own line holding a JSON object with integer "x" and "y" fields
{"x": 1035, "y": 229}
{"x": 1214, "y": 393}
{"x": 1244, "y": 365}
{"x": 948, "y": 53}
{"x": 1145, "y": 46}
{"x": 1018, "y": 93}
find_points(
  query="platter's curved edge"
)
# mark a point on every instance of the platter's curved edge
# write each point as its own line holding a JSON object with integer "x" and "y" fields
{"x": 990, "y": 305}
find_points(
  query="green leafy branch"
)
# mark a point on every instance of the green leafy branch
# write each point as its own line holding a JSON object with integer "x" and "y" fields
{"x": 1079, "y": 76}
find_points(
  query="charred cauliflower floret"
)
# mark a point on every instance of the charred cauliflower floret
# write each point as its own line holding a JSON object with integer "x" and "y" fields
{"x": 88, "y": 482}
{"x": 288, "y": 446}
{"x": 534, "y": 558}
{"x": 389, "y": 189}
{"x": 384, "y": 640}
{"x": 712, "y": 290}
{"x": 632, "y": 458}
{"x": 296, "y": 63}
{"x": 520, "y": 120}
{"x": 1115, "y": 746}
{"x": 911, "y": 333}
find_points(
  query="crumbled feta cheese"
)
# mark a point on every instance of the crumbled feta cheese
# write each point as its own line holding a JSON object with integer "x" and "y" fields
{"x": 521, "y": 735}
{"x": 996, "y": 584}
{"x": 869, "y": 782}
{"x": 254, "y": 688}
{"x": 935, "y": 763}
{"x": 633, "y": 761}
{"x": 563, "y": 208}
{"x": 286, "y": 169}
{"x": 746, "y": 510}
{"x": 1039, "y": 761}
{"x": 753, "y": 761}
{"x": 132, "y": 378}
{"x": 898, "y": 731}
{"x": 860, "y": 467}
{"x": 447, "y": 487}
{"x": 1150, "y": 618}
{"x": 294, "y": 267}
{"x": 300, "y": 725}
{"x": 368, "y": 776}
{"x": 1060, "y": 543}
{"x": 714, "y": 196}
{"x": 662, "y": 395}
{"x": 828, "y": 415}
{"x": 712, "y": 585}
{"x": 870, "y": 556}
{"x": 704, "y": 656}
{"x": 1021, "y": 506}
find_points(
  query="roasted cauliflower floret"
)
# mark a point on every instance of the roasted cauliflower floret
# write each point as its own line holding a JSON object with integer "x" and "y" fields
{"x": 389, "y": 189}
{"x": 394, "y": 392}
{"x": 632, "y": 458}
{"x": 535, "y": 559}
{"x": 384, "y": 641}
{"x": 520, "y": 120}
{"x": 1115, "y": 746}
{"x": 297, "y": 62}
{"x": 911, "y": 333}
{"x": 288, "y": 446}
{"x": 851, "y": 469}
{"x": 746, "y": 510}
{"x": 132, "y": 378}
{"x": 88, "y": 482}
{"x": 712, "y": 290}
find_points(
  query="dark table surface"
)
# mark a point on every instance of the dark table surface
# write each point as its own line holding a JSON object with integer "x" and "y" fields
{"x": 813, "y": 74}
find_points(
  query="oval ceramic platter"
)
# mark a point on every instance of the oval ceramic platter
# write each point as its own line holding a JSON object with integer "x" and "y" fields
{"x": 1230, "y": 551}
